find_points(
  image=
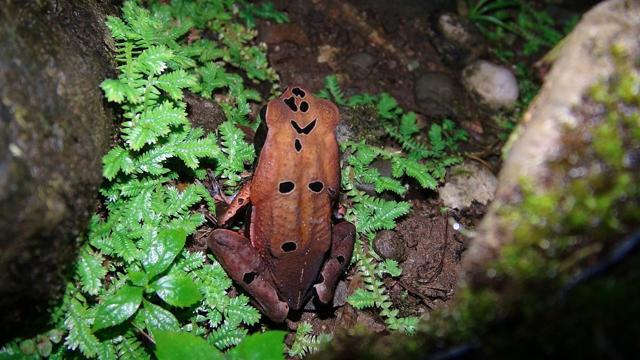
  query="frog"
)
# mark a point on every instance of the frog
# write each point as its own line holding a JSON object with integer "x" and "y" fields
{"x": 291, "y": 248}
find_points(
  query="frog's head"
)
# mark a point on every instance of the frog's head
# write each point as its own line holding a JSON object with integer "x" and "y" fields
{"x": 301, "y": 111}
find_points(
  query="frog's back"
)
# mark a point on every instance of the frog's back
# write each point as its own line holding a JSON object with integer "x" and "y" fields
{"x": 292, "y": 191}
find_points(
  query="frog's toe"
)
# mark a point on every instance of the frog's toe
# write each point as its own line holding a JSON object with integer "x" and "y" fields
{"x": 328, "y": 280}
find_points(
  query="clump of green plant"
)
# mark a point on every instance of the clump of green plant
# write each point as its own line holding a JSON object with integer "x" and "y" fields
{"x": 305, "y": 343}
{"x": 134, "y": 279}
{"x": 426, "y": 163}
{"x": 538, "y": 30}
{"x": 497, "y": 18}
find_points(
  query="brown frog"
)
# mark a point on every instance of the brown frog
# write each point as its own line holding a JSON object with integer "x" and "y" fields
{"x": 291, "y": 246}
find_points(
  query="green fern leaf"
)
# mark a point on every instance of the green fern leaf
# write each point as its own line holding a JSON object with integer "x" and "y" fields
{"x": 305, "y": 343}
{"x": 78, "y": 323}
{"x": 89, "y": 270}
{"x": 118, "y": 91}
{"x": 119, "y": 30}
{"x": 106, "y": 351}
{"x": 362, "y": 299}
{"x": 174, "y": 82}
{"x": 333, "y": 87}
{"x": 408, "y": 125}
{"x": 435, "y": 138}
{"x": 417, "y": 171}
{"x": 116, "y": 160}
{"x": 153, "y": 124}
{"x": 130, "y": 347}
{"x": 387, "y": 106}
{"x": 153, "y": 61}
{"x": 226, "y": 336}
{"x": 391, "y": 267}
{"x": 384, "y": 183}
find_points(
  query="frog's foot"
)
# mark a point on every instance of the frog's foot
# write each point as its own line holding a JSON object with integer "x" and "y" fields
{"x": 243, "y": 263}
{"x": 344, "y": 235}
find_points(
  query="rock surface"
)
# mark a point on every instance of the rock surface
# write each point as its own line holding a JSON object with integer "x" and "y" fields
{"x": 389, "y": 245}
{"x": 437, "y": 94}
{"x": 467, "y": 183}
{"x": 54, "y": 130}
{"x": 583, "y": 60}
{"x": 360, "y": 64}
{"x": 457, "y": 39}
{"x": 494, "y": 86}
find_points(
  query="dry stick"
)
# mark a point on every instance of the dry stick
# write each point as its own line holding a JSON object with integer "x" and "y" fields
{"x": 415, "y": 292}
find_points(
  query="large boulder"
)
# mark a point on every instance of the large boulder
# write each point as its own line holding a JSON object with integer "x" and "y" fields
{"x": 584, "y": 58}
{"x": 54, "y": 129}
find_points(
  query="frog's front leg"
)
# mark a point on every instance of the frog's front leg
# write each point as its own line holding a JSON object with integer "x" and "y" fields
{"x": 344, "y": 235}
{"x": 245, "y": 266}
{"x": 240, "y": 200}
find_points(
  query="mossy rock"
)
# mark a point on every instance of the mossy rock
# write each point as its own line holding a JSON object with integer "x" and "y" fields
{"x": 54, "y": 130}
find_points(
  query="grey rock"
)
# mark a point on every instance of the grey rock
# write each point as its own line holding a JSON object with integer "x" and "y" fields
{"x": 204, "y": 113}
{"x": 384, "y": 168}
{"x": 466, "y": 183}
{"x": 494, "y": 86}
{"x": 54, "y": 130}
{"x": 360, "y": 64}
{"x": 389, "y": 245}
{"x": 437, "y": 94}
{"x": 457, "y": 40}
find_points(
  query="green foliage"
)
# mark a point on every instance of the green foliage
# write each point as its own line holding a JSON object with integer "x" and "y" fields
{"x": 305, "y": 343}
{"x": 374, "y": 293}
{"x": 496, "y": 18}
{"x": 332, "y": 90}
{"x": 134, "y": 277}
{"x": 182, "y": 345}
{"x": 267, "y": 11}
{"x": 424, "y": 162}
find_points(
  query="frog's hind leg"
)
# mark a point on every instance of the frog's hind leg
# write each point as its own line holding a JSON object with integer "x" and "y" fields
{"x": 344, "y": 235}
{"x": 245, "y": 266}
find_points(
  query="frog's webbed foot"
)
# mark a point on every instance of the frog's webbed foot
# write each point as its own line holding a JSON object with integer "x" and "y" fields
{"x": 243, "y": 263}
{"x": 344, "y": 235}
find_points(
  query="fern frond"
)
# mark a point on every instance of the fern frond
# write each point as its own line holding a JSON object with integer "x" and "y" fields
{"x": 153, "y": 124}
{"x": 78, "y": 323}
{"x": 305, "y": 343}
{"x": 373, "y": 214}
{"x": 226, "y": 336}
{"x": 129, "y": 347}
{"x": 333, "y": 89}
{"x": 89, "y": 270}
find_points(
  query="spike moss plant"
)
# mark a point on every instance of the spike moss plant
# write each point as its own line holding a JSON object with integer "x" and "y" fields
{"x": 136, "y": 289}
{"x": 425, "y": 163}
